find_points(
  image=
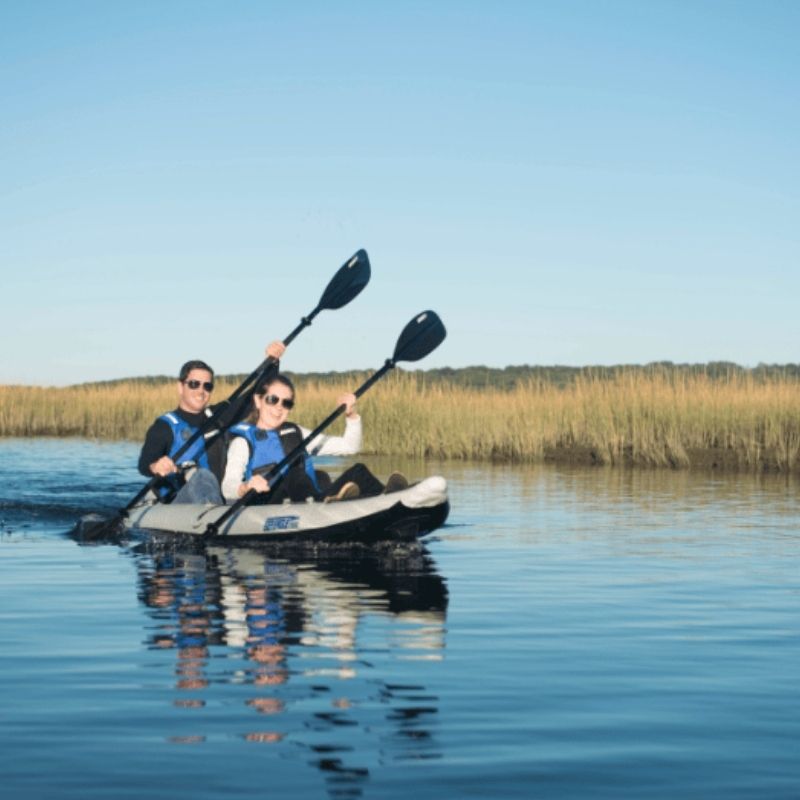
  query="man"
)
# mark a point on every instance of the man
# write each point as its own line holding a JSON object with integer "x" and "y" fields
{"x": 171, "y": 430}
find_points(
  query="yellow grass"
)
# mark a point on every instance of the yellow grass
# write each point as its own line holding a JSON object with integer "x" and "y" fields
{"x": 662, "y": 419}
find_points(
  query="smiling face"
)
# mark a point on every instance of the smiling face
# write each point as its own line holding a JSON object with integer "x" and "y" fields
{"x": 193, "y": 392}
{"x": 272, "y": 411}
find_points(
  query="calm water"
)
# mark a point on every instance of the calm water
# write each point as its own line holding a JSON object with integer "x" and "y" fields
{"x": 570, "y": 633}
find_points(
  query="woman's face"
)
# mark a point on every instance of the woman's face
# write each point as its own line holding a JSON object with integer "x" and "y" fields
{"x": 272, "y": 411}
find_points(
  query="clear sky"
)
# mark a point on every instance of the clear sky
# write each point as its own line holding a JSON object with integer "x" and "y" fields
{"x": 563, "y": 182}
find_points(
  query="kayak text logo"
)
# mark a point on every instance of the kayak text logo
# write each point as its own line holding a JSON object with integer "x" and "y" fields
{"x": 288, "y": 523}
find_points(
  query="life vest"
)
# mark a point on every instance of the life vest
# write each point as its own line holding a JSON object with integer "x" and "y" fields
{"x": 271, "y": 447}
{"x": 182, "y": 431}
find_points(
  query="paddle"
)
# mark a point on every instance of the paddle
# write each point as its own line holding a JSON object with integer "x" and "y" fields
{"x": 419, "y": 338}
{"x": 345, "y": 285}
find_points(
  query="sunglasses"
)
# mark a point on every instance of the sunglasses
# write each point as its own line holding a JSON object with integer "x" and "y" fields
{"x": 207, "y": 385}
{"x": 273, "y": 400}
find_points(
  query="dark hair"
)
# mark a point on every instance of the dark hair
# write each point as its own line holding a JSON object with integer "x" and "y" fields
{"x": 190, "y": 365}
{"x": 279, "y": 378}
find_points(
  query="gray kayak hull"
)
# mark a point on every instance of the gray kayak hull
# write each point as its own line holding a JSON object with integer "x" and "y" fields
{"x": 399, "y": 516}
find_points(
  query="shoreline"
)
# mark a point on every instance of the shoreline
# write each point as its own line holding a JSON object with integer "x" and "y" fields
{"x": 697, "y": 459}
{"x": 716, "y": 459}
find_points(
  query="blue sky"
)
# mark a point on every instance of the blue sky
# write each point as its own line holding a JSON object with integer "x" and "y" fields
{"x": 563, "y": 182}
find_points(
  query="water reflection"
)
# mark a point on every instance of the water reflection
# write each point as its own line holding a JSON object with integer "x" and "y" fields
{"x": 305, "y": 646}
{"x": 633, "y": 512}
{"x": 657, "y": 487}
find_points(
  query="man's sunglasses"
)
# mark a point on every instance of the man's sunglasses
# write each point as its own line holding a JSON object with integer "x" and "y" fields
{"x": 207, "y": 385}
{"x": 273, "y": 400}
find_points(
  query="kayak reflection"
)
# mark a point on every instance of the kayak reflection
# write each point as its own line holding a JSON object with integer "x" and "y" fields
{"x": 308, "y": 646}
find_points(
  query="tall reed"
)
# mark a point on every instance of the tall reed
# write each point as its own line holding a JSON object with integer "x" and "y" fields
{"x": 665, "y": 418}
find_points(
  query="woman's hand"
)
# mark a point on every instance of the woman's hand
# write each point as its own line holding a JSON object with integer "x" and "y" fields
{"x": 275, "y": 350}
{"x": 349, "y": 402}
{"x": 256, "y": 483}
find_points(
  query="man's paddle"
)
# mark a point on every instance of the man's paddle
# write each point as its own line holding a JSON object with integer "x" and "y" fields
{"x": 345, "y": 285}
{"x": 348, "y": 282}
{"x": 419, "y": 338}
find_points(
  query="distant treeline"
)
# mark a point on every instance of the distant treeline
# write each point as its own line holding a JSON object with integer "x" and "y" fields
{"x": 510, "y": 378}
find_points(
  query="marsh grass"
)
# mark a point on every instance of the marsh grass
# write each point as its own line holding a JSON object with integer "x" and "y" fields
{"x": 667, "y": 418}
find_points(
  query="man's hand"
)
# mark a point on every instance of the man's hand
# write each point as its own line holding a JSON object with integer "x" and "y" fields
{"x": 163, "y": 467}
{"x": 275, "y": 350}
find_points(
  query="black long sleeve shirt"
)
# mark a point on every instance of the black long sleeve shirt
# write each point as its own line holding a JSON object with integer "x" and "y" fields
{"x": 158, "y": 443}
{"x": 158, "y": 439}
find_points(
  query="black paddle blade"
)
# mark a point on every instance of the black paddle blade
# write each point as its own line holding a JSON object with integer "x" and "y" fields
{"x": 421, "y": 336}
{"x": 94, "y": 528}
{"x": 350, "y": 279}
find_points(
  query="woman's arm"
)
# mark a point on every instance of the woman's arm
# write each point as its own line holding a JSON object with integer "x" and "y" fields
{"x": 238, "y": 455}
{"x": 347, "y": 445}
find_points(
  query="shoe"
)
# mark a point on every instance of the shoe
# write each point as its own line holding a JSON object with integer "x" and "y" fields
{"x": 348, "y": 492}
{"x": 396, "y": 483}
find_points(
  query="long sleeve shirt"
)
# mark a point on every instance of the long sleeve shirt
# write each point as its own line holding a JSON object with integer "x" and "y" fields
{"x": 323, "y": 445}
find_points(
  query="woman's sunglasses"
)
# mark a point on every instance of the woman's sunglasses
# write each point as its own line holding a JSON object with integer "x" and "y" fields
{"x": 273, "y": 400}
{"x": 207, "y": 385}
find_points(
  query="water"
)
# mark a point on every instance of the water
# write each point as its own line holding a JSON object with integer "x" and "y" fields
{"x": 578, "y": 633}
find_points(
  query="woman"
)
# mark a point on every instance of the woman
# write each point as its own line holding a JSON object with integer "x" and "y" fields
{"x": 272, "y": 437}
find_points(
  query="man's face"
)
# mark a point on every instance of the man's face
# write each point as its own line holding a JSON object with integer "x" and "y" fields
{"x": 193, "y": 392}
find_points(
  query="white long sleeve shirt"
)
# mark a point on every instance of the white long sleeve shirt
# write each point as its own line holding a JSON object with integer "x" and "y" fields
{"x": 239, "y": 453}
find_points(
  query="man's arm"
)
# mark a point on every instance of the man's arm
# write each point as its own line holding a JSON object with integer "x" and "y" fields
{"x": 157, "y": 443}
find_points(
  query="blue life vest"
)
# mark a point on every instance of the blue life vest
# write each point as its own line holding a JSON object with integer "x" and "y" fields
{"x": 270, "y": 447}
{"x": 182, "y": 431}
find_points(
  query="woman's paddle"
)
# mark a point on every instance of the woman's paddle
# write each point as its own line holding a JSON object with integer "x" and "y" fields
{"x": 419, "y": 338}
{"x": 348, "y": 282}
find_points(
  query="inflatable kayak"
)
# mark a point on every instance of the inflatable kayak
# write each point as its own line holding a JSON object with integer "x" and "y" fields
{"x": 399, "y": 516}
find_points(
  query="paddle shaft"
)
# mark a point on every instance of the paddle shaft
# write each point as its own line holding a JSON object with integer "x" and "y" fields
{"x": 276, "y": 471}
{"x": 347, "y": 283}
{"x": 273, "y": 471}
